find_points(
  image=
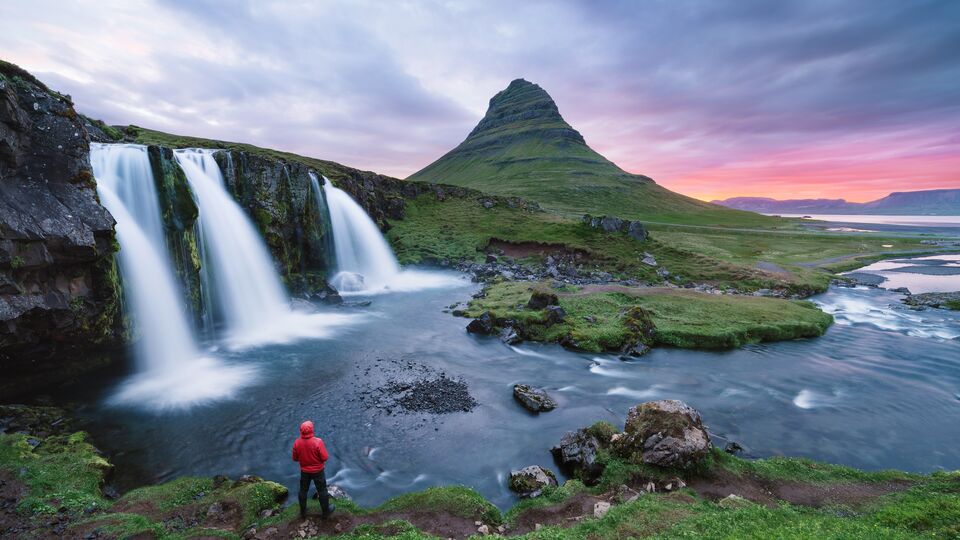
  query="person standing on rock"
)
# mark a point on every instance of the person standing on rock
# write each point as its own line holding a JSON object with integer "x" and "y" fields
{"x": 310, "y": 452}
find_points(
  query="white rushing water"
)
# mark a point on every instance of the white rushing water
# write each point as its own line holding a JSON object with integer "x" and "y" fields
{"x": 239, "y": 274}
{"x": 364, "y": 260}
{"x": 172, "y": 372}
{"x": 365, "y": 263}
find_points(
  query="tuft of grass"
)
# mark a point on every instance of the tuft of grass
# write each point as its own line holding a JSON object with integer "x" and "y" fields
{"x": 457, "y": 500}
{"x": 172, "y": 494}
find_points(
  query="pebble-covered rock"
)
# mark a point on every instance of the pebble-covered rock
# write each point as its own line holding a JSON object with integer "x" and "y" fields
{"x": 666, "y": 433}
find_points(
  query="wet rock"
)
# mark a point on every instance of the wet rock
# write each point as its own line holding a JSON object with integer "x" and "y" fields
{"x": 533, "y": 399}
{"x": 484, "y": 324}
{"x": 577, "y": 455}
{"x": 666, "y": 433}
{"x": 634, "y": 350}
{"x": 555, "y": 315}
{"x": 863, "y": 278}
{"x": 338, "y": 492}
{"x": 948, "y": 300}
{"x": 530, "y": 481}
{"x": 542, "y": 299}
{"x": 509, "y": 336}
{"x": 732, "y": 448}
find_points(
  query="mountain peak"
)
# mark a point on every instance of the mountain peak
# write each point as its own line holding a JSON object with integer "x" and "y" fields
{"x": 524, "y": 107}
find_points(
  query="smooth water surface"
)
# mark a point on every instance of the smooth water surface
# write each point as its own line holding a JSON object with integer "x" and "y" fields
{"x": 870, "y": 394}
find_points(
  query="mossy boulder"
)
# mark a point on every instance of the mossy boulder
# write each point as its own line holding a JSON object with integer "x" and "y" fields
{"x": 541, "y": 298}
{"x": 530, "y": 481}
{"x": 665, "y": 433}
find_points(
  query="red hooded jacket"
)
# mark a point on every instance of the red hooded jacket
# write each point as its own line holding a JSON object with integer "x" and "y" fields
{"x": 309, "y": 451}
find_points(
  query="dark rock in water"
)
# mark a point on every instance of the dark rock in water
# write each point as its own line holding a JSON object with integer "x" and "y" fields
{"x": 733, "y": 448}
{"x": 509, "y": 336}
{"x": 947, "y": 300}
{"x": 541, "y": 299}
{"x": 356, "y": 303}
{"x": 335, "y": 492}
{"x": 577, "y": 454}
{"x": 901, "y": 290}
{"x": 533, "y": 399}
{"x": 555, "y": 315}
{"x": 484, "y": 324}
{"x": 666, "y": 433}
{"x": 529, "y": 482}
{"x": 329, "y": 295}
{"x": 634, "y": 350}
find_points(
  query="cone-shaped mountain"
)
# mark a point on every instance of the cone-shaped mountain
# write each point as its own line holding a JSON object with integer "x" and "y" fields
{"x": 523, "y": 147}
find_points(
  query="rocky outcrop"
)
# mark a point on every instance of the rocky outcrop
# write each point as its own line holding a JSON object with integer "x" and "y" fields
{"x": 59, "y": 291}
{"x": 666, "y": 433}
{"x": 945, "y": 300}
{"x": 577, "y": 454}
{"x": 610, "y": 224}
{"x": 530, "y": 481}
{"x": 533, "y": 399}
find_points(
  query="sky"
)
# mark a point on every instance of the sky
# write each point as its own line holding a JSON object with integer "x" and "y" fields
{"x": 711, "y": 98}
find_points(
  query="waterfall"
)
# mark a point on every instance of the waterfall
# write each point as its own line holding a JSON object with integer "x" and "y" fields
{"x": 172, "y": 370}
{"x": 239, "y": 275}
{"x": 364, "y": 260}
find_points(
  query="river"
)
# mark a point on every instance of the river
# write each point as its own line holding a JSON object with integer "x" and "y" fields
{"x": 880, "y": 390}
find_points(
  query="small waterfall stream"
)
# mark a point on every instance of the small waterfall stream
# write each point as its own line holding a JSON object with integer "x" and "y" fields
{"x": 365, "y": 263}
{"x": 173, "y": 372}
{"x": 364, "y": 260}
{"x": 239, "y": 275}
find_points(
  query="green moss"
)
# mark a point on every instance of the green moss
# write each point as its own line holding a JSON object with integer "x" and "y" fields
{"x": 804, "y": 470}
{"x": 603, "y": 431}
{"x": 952, "y": 304}
{"x": 16, "y": 262}
{"x": 551, "y": 495}
{"x": 62, "y": 472}
{"x": 171, "y": 494}
{"x": 457, "y": 500}
{"x": 605, "y": 321}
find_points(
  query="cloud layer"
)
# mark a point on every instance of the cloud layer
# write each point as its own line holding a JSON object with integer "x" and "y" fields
{"x": 746, "y": 97}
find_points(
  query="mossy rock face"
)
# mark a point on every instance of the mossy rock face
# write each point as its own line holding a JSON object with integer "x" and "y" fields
{"x": 666, "y": 433}
{"x": 541, "y": 299}
{"x": 531, "y": 481}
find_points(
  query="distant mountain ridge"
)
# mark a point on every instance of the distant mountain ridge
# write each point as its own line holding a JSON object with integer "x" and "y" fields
{"x": 523, "y": 147}
{"x": 935, "y": 202}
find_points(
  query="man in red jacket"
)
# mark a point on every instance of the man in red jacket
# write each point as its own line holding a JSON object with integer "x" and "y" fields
{"x": 311, "y": 454}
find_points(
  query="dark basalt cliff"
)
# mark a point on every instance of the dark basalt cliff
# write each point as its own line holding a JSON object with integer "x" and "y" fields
{"x": 58, "y": 280}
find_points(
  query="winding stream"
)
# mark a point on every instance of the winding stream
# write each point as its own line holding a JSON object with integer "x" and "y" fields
{"x": 879, "y": 390}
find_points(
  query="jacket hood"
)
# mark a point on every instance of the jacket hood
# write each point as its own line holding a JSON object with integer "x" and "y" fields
{"x": 306, "y": 429}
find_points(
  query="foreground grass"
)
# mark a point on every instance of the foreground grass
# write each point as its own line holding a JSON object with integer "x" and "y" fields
{"x": 64, "y": 478}
{"x": 604, "y": 321}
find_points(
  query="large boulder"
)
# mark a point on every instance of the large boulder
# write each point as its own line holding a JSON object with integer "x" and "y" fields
{"x": 666, "y": 433}
{"x": 577, "y": 454}
{"x": 530, "y": 481}
{"x": 485, "y": 324}
{"x": 533, "y": 399}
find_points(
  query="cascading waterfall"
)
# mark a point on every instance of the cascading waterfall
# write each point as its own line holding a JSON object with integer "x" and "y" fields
{"x": 173, "y": 372}
{"x": 364, "y": 260}
{"x": 238, "y": 272}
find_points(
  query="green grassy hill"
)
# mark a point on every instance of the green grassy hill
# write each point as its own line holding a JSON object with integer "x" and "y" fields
{"x": 523, "y": 147}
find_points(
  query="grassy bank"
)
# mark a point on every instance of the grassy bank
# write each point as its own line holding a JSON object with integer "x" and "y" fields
{"x": 55, "y": 484}
{"x": 604, "y": 319}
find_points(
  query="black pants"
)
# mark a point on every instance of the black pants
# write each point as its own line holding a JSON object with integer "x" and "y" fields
{"x": 320, "y": 481}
